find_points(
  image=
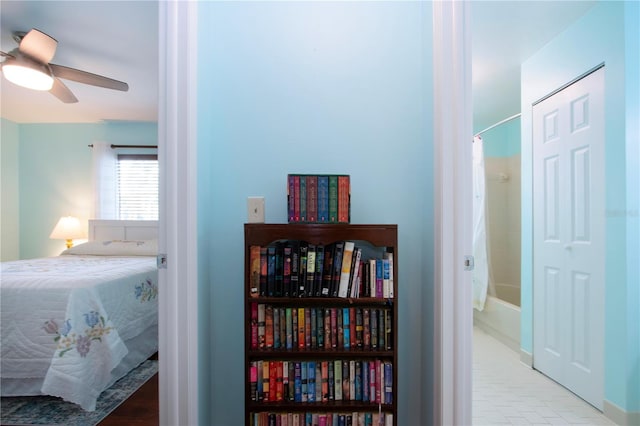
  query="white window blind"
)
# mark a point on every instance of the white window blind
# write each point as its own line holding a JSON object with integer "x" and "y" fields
{"x": 138, "y": 187}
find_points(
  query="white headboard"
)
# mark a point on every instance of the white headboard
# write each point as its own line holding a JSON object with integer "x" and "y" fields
{"x": 122, "y": 229}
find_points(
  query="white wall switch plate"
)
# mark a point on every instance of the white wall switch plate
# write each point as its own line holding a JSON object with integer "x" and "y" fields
{"x": 255, "y": 209}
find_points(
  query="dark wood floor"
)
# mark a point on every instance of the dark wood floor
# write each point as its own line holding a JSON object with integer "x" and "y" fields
{"x": 141, "y": 409}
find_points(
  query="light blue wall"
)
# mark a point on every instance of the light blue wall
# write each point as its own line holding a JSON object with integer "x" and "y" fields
{"x": 312, "y": 88}
{"x": 56, "y": 177}
{"x": 503, "y": 140}
{"x": 9, "y": 236}
{"x": 597, "y": 37}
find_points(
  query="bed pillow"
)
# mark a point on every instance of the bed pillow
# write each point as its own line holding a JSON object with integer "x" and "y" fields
{"x": 116, "y": 248}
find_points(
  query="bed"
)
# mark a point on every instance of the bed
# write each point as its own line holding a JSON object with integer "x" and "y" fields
{"x": 73, "y": 324}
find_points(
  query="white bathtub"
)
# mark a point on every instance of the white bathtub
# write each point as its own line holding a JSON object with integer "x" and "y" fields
{"x": 501, "y": 319}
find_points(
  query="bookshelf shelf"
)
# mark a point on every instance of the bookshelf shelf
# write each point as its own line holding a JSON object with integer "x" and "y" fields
{"x": 299, "y": 349}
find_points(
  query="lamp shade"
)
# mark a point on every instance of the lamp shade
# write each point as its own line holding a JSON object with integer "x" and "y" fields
{"x": 68, "y": 228}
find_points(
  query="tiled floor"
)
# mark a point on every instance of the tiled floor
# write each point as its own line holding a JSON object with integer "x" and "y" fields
{"x": 505, "y": 391}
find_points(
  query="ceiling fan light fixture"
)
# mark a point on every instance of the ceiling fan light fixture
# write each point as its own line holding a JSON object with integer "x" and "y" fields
{"x": 28, "y": 73}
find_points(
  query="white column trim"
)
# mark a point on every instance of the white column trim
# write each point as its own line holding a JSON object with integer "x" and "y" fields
{"x": 453, "y": 136}
{"x": 178, "y": 307}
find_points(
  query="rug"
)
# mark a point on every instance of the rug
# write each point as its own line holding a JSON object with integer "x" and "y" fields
{"x": 48, "y": 410}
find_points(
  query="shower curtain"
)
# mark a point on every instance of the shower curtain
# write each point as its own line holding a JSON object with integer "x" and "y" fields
{"x": 481, "y": 261}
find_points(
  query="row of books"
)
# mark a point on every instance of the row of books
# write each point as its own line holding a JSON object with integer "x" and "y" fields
{"x": 302, "y": 328}
{"x": 321, "y": 381}
{"x": 356, "y": 418}
{"x": 300, "y": 269}
{"x": 318, "y": 198}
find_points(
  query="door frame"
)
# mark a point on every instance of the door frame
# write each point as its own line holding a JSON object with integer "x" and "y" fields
{"x": 453, "y": 136}
{"x": 177, "y": 149}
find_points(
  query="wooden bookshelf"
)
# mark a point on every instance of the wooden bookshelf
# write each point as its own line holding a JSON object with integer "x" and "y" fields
{"x": 377, "y": 241}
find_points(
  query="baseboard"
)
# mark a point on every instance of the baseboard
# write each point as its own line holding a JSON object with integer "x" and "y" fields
{"x": 620, "y": 416}
{"x": 526, "y": 358}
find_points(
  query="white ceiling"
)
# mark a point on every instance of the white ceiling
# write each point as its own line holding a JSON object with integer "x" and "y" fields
{"x": 119, "y": 39}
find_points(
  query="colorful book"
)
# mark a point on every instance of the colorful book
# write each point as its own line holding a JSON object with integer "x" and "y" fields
{"x": 271, "y": 271}
{"x": 327, "y": 271}
{"x": 276, "y": 327}
{"x": 296, "y": 199}
{"x": 288, "y": 328}
{"x": 333, "y": 199}
{"x": 253, "y": 380}
{"x": 266, "y": 384}
{"x": 286, "y": 271}
{"x": 337, "y": 372}
{"x": 323, "y": 199}
{"x": 291, "y": 190}
{"x": 311, "y": 381}
{"x": 312, "y": 199}
{"x": 311, "y": 270}
{"x": 254, "y": 271}
{"x": 301, "y": 328}
{"x": 279, "y": 270}
{"x": 254, "y": 326}
{"x": 346, "y": 331}
{"x": 388, "y": 383}
{"x": 343, "y": 288}
{"x": 385, "y": 278}
{"x": 261, "y": 326}
{"x": 319, "y": 271}
{"x": 268, "y": 320}
{"x": 297, "y": 382}
{"x": 295, "y": 269}
{"x": 338, "y": 250}
{"x": 264, "y": 270}
{"x": 302, "y": 275}
{"x": 303, "y": 198}
{"x": 344, "y": 197}
{"x": 389, "y": 257}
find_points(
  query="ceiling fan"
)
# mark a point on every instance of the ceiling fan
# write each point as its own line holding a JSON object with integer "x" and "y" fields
{"x": 28, "y": 66}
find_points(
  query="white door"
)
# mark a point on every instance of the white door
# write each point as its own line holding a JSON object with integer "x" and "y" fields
{"x": 568, "y": 237}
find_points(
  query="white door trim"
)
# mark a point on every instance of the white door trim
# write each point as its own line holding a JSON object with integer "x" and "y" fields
{"x": 178, "y": 313}
{"x": 453, "y": 136}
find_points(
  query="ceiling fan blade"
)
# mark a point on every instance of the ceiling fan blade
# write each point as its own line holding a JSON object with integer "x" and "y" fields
{"x": 88, "y": 78}
{"x": 38, "y": 45}
{"x": 62, "y": 92}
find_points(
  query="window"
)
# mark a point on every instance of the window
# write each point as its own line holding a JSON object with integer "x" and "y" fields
{"x": 137, "y": 188}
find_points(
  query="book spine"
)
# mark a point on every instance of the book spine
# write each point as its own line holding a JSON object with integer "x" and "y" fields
{"x": 303, "y": 198}
{"x": 294, "y": 327}
{"x": 388, "y": 329}
{"x": 359, "y": 328}
{"x": 260, "y": 387}
{"x": 301, "y": 328}
{"x": 385, "y": 278}
{"x": 389, "y": 257}
{"x": 311, "y": 270}
{"x": 254, "y": 326}
{"x": 319, "y": 272}
{"x": 278, "y": 376}
{"x": 286, "y": 272}
{"x": 388, "y": 383}
{"x": 327, "y": 328}
{"x": 346, "y": 269}
{"x": 279, "y": 271}
{"x": 253, "y": 379}
{"x": 358, "y": 381}
{"x": 314, "y": 328}
{"x": 311, "y": 381}
{"x": 331, "y": 395}
{"x": 307, "y": 328}
{"x": 264, "y": 270}
{"x": 285, "y": 380}
{"x": 352, "y": 326}
{"x": 296, "y": 199}
{"x": 268, "y": 318}
{"x": 254, "y": 268}
{"x": 365, "y": 381}
{"x": 276, "y": 327}
{"x": 323, "y": 199}
{"x": 374, "y": 329}
{"x": 261, "y": 326}
{"x": 334, "y": 327}
{"x": 337, "y": 268}
{"x": 297, "y": 381}
{"x": 302, "y": 277}
{"x": 295, "y": 269}
{"x": 340, "y": 331}
{"x": 379, "y": 294}
{"x": 271, "y": 271}
{"x": 366, "y": 335}
{"x": 291, "y": 198}
{"x": 372, "y": 278}
{"x": 327, "y": 271}
{"x": 355, "y": 269}
{"x": 320, "y": 327}
{"x": 289, "y": 328}
{"x": 318, "y": 387}
{"x": 333, "y": 199}
{"x": 304, "y": 375}
{"x": 312, "y": 199}
{"x": 337, "y": 372}
{"x": 346, "y": 331}
{"x": 344, "y": 196}
{"x": 266, "y": 384}
{"x": 324, "y": 388}
{"x": 346, "y": 380}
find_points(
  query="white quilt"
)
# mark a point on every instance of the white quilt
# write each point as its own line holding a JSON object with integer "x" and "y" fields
{"x": 65, "y": 319}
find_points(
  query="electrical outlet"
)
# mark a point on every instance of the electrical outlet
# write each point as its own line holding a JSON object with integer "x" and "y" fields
{"x": 255, "y": 209}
